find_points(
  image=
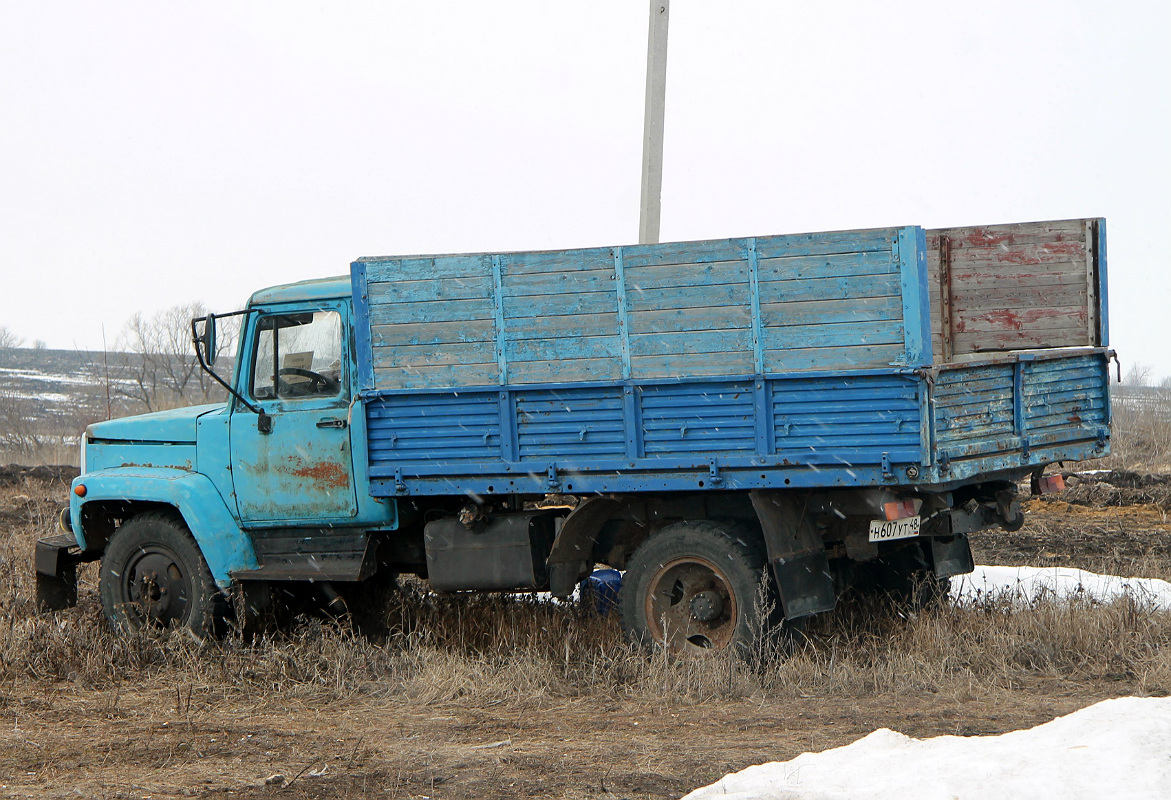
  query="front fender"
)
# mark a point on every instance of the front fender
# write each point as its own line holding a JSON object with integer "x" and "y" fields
{"x": 224, "y": 545}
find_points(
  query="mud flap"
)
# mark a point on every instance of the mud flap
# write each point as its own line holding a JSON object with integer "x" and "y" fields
{"x": 951, "y": 555}
{"x": 571, "y": 558}
{"x": 797, "y": 554}
{"x": 806, "y": 585}
{"x": 56, "y": 561}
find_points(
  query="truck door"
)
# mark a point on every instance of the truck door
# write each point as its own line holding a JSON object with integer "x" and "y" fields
{"x": 297, "y": 372}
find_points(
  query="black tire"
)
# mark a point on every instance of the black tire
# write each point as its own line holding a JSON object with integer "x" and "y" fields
{"x": 369, "y": 602}
{"x": 153, "y": 576}
{"x": 697, "y": 587}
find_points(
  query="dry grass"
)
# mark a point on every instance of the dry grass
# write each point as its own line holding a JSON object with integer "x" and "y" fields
{"x": 503, "y": 649}
{"x": 1141, "y": 437}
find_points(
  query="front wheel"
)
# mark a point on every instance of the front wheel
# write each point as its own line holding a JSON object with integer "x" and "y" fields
{"x": 153, "y": 576}
{"x": 699, "y": 586}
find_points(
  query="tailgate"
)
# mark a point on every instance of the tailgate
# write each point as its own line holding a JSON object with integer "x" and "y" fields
{"x": 1036, "y": 405}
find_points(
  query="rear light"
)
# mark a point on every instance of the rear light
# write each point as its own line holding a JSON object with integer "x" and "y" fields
{"x": 902, "y": 509}
{"x": 1050, "y": 484}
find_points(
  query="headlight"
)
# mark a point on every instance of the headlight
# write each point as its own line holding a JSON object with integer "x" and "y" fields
{"x": 81, "y": 460}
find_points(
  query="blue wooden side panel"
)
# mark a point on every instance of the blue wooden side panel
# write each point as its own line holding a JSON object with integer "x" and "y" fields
{"x": 974, "y": 410}
{"x": 1065, "y": 399}
{"x": 818, "y": 429}
{"x": 732, "y": 307}
{"x": 1019, "y": 406}
{"x": 578, "y": 423}
{"x": 559, "y": 312}
{"x": 703, "y": 417}
{"x": 848, "y": 420}
{"x": 452, "y": 429}
{"x": 432, "y": 322}
{"x": 866, "y": 427}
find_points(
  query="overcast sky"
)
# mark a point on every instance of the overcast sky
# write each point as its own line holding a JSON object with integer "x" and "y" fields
{"x": 153, "y": 153}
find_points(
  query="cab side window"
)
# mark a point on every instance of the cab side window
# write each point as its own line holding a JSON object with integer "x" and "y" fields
{"x": 297, "y": 356}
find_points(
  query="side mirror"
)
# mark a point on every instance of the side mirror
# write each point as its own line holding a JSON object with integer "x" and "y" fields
{"x": 205, "y": 339}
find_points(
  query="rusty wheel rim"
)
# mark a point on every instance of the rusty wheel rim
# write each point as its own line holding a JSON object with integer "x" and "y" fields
{"x": 157, "y": 587}
{"x": 690, "y": 606}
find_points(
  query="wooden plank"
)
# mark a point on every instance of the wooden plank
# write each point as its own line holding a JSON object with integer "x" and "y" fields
{"x": 431, "y": 290}
{"x": 414, "y": 268}
{"x": 456, "y": 404}
{"x": 828, "y": 243}
{"x": 663, "y": 276}
{"x": 543, "y": 284}
{"x": 517, "y": 264}
{"x": 1073, "y": 253}
{"x": 855, "y": 357}
{"x": 641, "y": 255}
{"x": 1055, "y": 402}
{"x": 1018, "y": 340}
{"x": 432, "y": 333}
{"x": 829, "y": 441}
{"x": 1030, "y": 319}
{"x": 449, "y": 311}
{"x": 813, "y": 312}
{"x": 688, "y": 297}
{"x": 729, "y": 422}
{"x": 690, "y": 319}
{"x": 904, "y": 398}
{"x": 561, "y": 326}
{"x": 837, "y": 265}
{"x": 985, "y": 279}
{"x": 564, "y": 370}
{"x": 582, "y": 347}
{"x": 564, "y": 305}
{"x": 703, "y": 344}
{"x": 833, "y": 335}
{"x": 437, "y": 377}
{"x": 1018, "y": 296}
{"x": 830, "y": 288}
{"x": 429, "y": 355}
{"x": 676, "y": 366}
{"x": 1012, "y": 234}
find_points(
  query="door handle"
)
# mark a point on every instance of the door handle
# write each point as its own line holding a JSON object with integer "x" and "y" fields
{"x": 331, "y": 422}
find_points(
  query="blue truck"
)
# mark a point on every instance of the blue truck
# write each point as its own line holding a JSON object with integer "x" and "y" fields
{"x": 778, "y": 417}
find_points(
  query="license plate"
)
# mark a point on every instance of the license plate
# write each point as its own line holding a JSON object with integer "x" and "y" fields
{"x": 883, "y": 531}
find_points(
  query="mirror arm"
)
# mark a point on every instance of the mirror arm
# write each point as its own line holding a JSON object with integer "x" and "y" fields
{"x": 199, "y": 355}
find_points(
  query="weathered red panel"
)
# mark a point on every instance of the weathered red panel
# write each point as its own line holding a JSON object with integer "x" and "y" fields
{"x": 1011, "y": 287}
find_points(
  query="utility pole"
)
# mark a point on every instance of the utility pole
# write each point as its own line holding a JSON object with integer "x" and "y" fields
{"x": 652, "y": 124}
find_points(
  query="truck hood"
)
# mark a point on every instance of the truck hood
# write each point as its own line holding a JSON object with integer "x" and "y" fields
{"x": 176, "y": 426}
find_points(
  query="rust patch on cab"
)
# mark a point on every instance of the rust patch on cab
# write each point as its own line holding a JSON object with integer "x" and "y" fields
{"x": 330, "y": 473}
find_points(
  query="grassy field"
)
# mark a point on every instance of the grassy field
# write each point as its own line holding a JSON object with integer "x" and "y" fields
{"x": 499, "y": 697}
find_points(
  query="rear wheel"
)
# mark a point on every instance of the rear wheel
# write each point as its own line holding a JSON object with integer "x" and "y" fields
{"x": 153, "y": 576}
{"x": 699, "y": 586}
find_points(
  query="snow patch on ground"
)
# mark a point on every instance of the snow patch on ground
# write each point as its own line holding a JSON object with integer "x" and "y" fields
{"x": 1116, "y": 748}
{"x": 1026, "y": 584}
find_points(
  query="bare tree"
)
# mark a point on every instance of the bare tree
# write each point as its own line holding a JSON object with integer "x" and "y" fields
{"x": 8, "y": 338}
{"x": 156, "y": 364}
{"x": 18, "y": 433}
{"x": 1138, "y": 375}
